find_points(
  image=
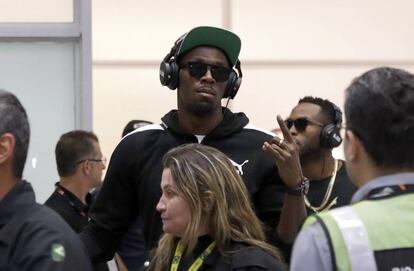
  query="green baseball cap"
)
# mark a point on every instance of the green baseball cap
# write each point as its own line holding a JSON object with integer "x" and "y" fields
{"x": 220, "y": 38}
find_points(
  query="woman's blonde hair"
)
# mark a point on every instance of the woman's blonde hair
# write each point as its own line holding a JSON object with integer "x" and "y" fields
{"x": 210, "y": 184}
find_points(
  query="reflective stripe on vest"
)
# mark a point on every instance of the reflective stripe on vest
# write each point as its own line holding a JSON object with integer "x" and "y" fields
{"x": 356, "y": 240}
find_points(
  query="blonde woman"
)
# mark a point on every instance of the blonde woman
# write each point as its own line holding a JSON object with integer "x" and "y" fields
{"x": 207, "y": 217}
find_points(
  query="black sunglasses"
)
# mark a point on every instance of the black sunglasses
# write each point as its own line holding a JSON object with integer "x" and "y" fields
{"x": 301, "y": 123}
{"x": 198, "y": 70}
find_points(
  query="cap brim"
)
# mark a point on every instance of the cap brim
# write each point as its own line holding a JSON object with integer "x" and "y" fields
{"x": 220, "y": 38}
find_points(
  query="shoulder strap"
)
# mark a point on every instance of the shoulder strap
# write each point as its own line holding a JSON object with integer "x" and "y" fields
{"x": 355, "y": 237}
{"x": 329, "y": 239}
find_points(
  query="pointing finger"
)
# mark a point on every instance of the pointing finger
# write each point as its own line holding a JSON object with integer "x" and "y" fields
{"x": 285, "y": 131}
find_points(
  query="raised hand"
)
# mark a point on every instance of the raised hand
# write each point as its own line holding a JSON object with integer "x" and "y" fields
{"x": 286, "y": 154}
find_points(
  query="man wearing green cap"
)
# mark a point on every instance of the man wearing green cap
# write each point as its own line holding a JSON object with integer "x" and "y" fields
{"x": 203, "y": 66}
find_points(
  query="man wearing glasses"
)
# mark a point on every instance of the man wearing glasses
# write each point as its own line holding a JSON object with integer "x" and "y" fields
{"x": 80, "y": 165}
{"x": 375, "y": 232}
{"x": 315, "y": 125}
{"x": 310, "y": 132}
{"x": 203, "y": 67}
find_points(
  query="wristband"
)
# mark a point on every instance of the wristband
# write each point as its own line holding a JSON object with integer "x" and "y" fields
{"x": 302, "y": 190}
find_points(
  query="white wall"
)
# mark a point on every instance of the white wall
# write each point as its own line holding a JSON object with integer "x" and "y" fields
{"x": 45, "y": 60}
{"x": 289, "y": 49}
{"x": 39, "y": 11}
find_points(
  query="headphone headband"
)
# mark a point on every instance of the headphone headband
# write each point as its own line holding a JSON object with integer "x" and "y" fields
{"x": 337, "y": 115}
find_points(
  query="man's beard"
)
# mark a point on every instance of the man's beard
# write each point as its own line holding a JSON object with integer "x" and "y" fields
{"x": 201, "y": 108}
{"x": 309, "y": 153}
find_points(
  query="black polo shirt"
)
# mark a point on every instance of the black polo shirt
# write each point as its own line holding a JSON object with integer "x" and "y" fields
{"x": 67, "y": 205}
{"x": 73, "y": 211}
{"x": 33, "y": 237}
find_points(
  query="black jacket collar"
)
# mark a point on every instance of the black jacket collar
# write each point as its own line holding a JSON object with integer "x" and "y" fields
{"x": 20, "y": 197}
{"x": 231, "y": 123}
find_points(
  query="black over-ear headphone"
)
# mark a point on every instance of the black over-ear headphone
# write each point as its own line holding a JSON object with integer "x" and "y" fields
{"x": 169, "y": 72}
{"x": 169, "y": 68}
{"x": 234, "y": 82}
{"x": 330, "y": 135}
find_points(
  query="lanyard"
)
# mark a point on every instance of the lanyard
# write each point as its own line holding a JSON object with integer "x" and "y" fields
{"x": 62, "y": 192}
{"x": 389, "y": 191}
{"x": 197, "y": 263}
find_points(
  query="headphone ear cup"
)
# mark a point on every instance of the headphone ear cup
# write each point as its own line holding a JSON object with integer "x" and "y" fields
{"x": 233, "y": 85}
{"x": 169, "y": 74}
{"x": 175, "y": 80}
{"x": 330, "y": 136}
{"x": 165, "y": 73}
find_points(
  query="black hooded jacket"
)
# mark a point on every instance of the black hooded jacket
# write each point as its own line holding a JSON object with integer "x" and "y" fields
{"x": 132, "y": 182}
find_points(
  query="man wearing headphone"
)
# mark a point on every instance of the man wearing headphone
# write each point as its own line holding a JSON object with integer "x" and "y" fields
{"x": 374, "y": 232}
{"x": 315, "y": 124}
{"x": 311, "y": 131}
{"x": 203, "y": 68}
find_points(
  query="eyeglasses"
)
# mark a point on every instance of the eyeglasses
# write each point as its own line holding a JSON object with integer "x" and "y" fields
{"x": 301, "y": 123}
{"x": 102, "y": 160}
{"x": 198, "y": 70}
